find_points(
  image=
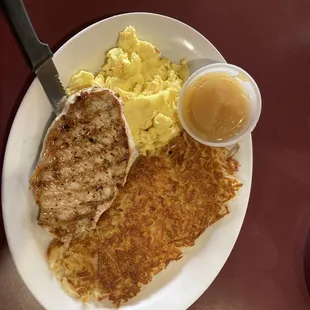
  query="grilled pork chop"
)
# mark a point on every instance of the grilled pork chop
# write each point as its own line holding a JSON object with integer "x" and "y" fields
{"x": 87, "y": 154}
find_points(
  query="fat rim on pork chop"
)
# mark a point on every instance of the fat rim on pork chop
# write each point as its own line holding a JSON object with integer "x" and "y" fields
{"x": 86, "y": 156}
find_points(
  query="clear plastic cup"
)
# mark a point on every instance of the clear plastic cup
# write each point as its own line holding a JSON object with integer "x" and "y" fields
{"x": 250, "y": 86}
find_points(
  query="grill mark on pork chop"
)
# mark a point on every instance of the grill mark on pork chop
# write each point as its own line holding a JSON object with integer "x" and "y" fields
{"x": 87, "y": 153}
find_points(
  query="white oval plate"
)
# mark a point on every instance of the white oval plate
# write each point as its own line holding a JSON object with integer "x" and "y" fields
{"x": 183, "y": 281}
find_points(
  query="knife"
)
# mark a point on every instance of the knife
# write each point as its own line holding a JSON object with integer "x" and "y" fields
{"x": 39, "y": 54}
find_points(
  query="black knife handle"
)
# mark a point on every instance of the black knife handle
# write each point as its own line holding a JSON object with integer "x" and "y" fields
{"x": 37, "y": 51}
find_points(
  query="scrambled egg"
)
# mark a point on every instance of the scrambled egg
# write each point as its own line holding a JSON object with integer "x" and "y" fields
{"x": 148, "y": 84}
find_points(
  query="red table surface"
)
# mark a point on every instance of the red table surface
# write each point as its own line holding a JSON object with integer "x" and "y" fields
{"x": 270, "y": 263}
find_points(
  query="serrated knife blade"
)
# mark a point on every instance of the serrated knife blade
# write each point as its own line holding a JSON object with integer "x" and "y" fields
{"x": 38, "y": 53}
{"x": 49, "y": 79}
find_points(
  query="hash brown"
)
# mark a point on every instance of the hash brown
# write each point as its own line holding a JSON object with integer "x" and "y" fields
{"x": 169, "y": 199}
